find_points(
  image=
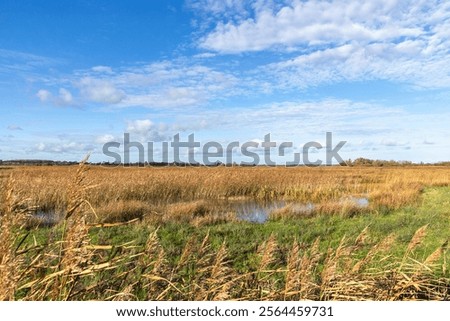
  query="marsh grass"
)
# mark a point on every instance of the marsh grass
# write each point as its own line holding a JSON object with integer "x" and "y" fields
{"x": 389, "y": 188}
{"x": 156, "y": 235}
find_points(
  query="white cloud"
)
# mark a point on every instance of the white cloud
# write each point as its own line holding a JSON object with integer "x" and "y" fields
{"x": 40, "y": 147}
{"x": 58, "y": 148}
{"x": 325, "y": 22}
{"x": 102, "y": 69}
{"x": 103, "y": 139}
{"x": 65, "y": 97}
{"x": 44, "y": 95}
{"x": 169, "y": 97}
{"x": 14, "y": 127}
{"x": 404, "y": 62}
{"x": 205, "y": 55}
{"x": 372, "y": 130}
{"x": 392, "y": 143}
{"x": 401, "y": 41}
{"x": 146, "y": 130}
{"x": 213, "y": 9}
{"x": 100, "y": 91}
{"x": 162, "y": 84}
{"x": 173, "y": 84}
{"x": 367, "y": 127}
{"x": 140, "y": 126}
{"x": 297, "y": 119}
{"x": 24, "y": 64}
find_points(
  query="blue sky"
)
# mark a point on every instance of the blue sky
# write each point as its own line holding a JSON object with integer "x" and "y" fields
{"x": 77, "y": 74}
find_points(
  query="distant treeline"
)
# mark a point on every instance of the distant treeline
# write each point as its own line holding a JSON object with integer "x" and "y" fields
{"x": 40, "y": 162}
{"x": 35, "y": 162}
{"x": 380, "y": 163}
{"x": 356, "y": 162}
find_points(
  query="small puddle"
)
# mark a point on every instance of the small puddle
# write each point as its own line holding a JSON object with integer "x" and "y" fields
{"x": 41, "y": 218}
{"x": 246, "y": 210}
{"x": 303, "y": 208}
{"x": 259, "y": 212}
{"x": 362, "y": 202}
{"x": 255, "y": 212}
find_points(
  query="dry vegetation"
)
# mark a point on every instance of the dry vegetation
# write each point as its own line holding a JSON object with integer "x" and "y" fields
{"x": 121, "y": 194}
{"x": 65, "y": 262}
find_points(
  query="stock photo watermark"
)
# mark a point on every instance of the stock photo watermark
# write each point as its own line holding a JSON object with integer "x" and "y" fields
{"x": 213, "y": 153}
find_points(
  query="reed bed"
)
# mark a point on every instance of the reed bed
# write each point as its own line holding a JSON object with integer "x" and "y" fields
{"x": 123, "y": 194}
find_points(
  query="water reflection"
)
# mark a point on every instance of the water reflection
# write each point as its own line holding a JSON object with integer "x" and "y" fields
{"x": 256, "y": 212}
{"x": 259, "y": 212}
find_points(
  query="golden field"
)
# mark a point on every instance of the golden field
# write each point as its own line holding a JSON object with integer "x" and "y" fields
{"x": 165, "y": 233}
{"x": 146, "y": 192}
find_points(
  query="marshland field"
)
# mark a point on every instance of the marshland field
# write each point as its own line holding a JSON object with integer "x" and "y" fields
{"x": 224, "y": 233}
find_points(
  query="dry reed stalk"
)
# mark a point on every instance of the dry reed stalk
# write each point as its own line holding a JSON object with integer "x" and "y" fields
{"x": 267, "y": 253}
{"x": 218, "y": 282}
{"x": 153, "y": 264}
{"x": 125, "y": 295}
{"x": 361, "y": 239}
{"x": 204, "y": 255}
{"x": 381, "y": 246}
{"x": 417, "y": 239}
{"x": 292, "y": 276}
{"x": 204, "y": 261}
{"x": 330, "y": 270}
{"x": 187, "y": 254}
{"x": 74, "y": 254}
{"x": 12, "y": 217}
{"x": 308, "y": 266}
{"x": 123, "y": 211}
{"x": 436, "y": 255}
